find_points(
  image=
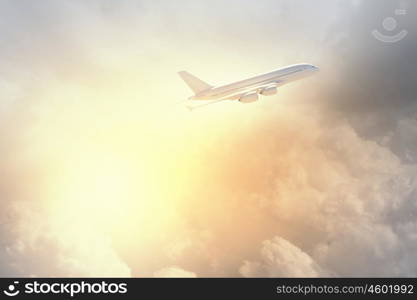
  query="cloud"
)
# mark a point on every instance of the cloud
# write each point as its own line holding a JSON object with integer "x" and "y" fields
{"x": 42, "y": 248}
{"x": 370, "y": 83}
{"x": 176, "y": 272}
{"x": 323, "y": 201}
{"x": 318, "y": 181}
{"x": 336, "y": 195}
{"x": 280, "y": 258}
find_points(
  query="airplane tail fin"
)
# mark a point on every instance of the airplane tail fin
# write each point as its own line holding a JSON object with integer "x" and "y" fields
{"x": 195, "y": 84}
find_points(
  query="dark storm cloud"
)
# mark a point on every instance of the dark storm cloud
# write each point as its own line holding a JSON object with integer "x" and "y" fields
{"x": 375, "y": 83}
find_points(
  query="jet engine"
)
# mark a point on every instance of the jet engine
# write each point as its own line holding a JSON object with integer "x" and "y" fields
{"x": 268, "y": 91}
{"x": 249, "y": 97}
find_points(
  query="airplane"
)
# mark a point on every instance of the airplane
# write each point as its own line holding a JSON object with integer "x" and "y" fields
{"x": 247, "y": 90}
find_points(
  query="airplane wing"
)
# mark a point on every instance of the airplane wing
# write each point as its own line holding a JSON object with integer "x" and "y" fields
{"x": 241, "y": 93}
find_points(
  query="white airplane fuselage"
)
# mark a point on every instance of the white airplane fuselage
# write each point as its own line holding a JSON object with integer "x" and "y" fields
{"x": 247, "y": 90}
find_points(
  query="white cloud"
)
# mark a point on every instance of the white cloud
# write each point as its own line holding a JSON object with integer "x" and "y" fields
{"x": 42, "y": 248}
{"x": 280, "y": 258}
{"x": 174, "y": 272}
{"x": 348, "y": 201}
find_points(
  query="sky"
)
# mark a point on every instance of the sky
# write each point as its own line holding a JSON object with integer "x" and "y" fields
{"x": 105, "y": 173}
